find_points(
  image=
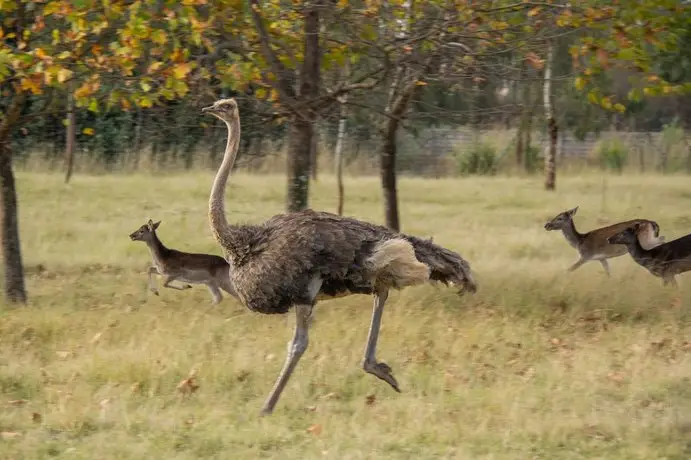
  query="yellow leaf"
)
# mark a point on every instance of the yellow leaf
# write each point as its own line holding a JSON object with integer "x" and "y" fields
{"x": 579, "y": 83}
{"x": 534, "y": 11}
{"x": 619, "y": 107}
{"x": 31, "y": 84}
{"x": 159, "y": 36}
{"x": 88, "y": 131}
{"x": 181, "y": 70}
{"x": 421, "y": 83}
{"x": 83, "y": 91}
{"x": 155, "y": 66}
{"x": 64, "y": 74}
{"x": 40, "y": 53}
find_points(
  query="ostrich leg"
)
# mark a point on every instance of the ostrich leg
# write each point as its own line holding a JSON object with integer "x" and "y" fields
{"x": 370, "y": 364}
{"x": 296, "y": 348}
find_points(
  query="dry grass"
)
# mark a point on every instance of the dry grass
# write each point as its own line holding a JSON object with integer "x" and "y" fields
{"x": 537, "y": 365}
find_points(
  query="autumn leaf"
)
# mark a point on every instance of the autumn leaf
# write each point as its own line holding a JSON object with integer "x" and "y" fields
{"x": 534, "y": 60}
{"x": 180, "y": 71}
{"x": 315, "y": 429}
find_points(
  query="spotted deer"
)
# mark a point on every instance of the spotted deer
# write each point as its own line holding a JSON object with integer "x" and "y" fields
{"x": 594, "y": 245}
{"x": 173, "y": 265}
{"x": 665, "y": 260}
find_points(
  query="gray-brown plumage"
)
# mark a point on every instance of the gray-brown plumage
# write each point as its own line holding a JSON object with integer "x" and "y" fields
{"x": 295, "y": 259}
{"x": 665, "y": 261}
{"x": 174, "y": 265}
{"x": 593, "y": 245}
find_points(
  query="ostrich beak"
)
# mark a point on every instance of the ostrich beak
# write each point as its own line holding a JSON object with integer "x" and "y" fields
{"x": 208, "y": 109}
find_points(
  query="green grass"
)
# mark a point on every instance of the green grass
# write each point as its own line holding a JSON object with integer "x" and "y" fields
{"x": 537, "y": 365}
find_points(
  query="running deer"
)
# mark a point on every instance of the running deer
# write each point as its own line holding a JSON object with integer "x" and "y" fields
{"x": 665, "y": 261}
{"x": 208, "y": 269}
{"x": 593, "y": 245}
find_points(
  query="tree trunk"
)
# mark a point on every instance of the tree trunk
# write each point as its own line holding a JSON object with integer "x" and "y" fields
{"x": 137, "y": 141}
{"x": 15, "y": 291}
{"x": 339, "y": 155}
{"x": 302, "y": 129}
{"x": 388, "y": 177}
{"x": 553, "y": 129}
{"x": 299, "y": 146}
{"x": 314, "y": 144}
{"x": 71, "y": 138}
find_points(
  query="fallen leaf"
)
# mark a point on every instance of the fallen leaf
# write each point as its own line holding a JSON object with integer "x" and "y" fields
{"x": 96, "y": 337}
{"x": 188, "y": 385}
{"x": 311, "y": 408}
{"x": 370, "y": 400}
{"x": 104, "y": 402}
{"x": 616, "y": 377}
{"x": 17, "y": 402}
{"x": 135, "y": 387}
{"x": 554, "y": 341}
{"x": 63, "y": 354}
{"x": 36, "y": 417}
{"x": 9, "y": 434}
{"x": 315, "y": 429}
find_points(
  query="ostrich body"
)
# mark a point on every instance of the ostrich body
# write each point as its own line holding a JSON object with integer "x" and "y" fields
{"x": 295, "y": 259}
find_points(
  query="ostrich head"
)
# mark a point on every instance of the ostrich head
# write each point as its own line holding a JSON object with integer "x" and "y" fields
{"x": 223, "y": 109}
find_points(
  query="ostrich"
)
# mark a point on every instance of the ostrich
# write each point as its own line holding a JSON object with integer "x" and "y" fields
{"x": 295, "y": 259}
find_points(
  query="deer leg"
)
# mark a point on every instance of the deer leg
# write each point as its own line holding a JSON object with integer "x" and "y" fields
{"x": 296, "y": 348}
{"x": 578, "y": 263}
{"x": 152, "y": 285}
{"x": 370, "y": 364}
{"x": 170, "y": 278}
{"x": 215, "y": 292}
{"x": 605, "y": 265}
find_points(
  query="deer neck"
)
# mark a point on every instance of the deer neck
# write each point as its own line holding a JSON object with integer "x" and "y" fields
{"x": 222, "y": 230}
{"x": 157, "y": 249}
{"x": 636, "y": 250}
{"x": 571, "y": 234}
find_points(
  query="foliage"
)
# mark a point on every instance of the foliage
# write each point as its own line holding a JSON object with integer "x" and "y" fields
{"x": 532, "y": 156}
{"x": 613, "y": 155}
{"x": 631, "y": 35}
{"x": 479, "y": 159}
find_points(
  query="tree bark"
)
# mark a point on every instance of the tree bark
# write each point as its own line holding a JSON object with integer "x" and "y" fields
{"x": 300, "y": 141}
{"x": 388, "y": 177}
{"x": 15, "y": 290}
{"x": 299, "y": 146}
{"x": 398, "y": 104}
{"x": 553, "y": 129}
{"x": 314, "y": 144}
{"x": 71, "y": 138}
{"x": 339, "y": 155}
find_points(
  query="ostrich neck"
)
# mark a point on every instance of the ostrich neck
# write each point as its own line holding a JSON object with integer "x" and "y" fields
{"x": 217, "y": 214}
{"x": 572, "y": 236}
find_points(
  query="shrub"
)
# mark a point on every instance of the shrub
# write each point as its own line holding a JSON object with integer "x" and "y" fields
{"x": 480, "y": 159}
{"x": 613, "y": 155}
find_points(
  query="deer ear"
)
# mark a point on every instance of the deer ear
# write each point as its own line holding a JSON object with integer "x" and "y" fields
{"x": 573, "y": 211}
{"x": 156, "y": 224}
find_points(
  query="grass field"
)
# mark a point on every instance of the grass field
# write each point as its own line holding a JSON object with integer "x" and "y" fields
{"x": 537, "y": 365}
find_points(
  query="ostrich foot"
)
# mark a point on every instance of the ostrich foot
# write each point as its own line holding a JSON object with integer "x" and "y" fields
{"x": 382, "y": 371}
